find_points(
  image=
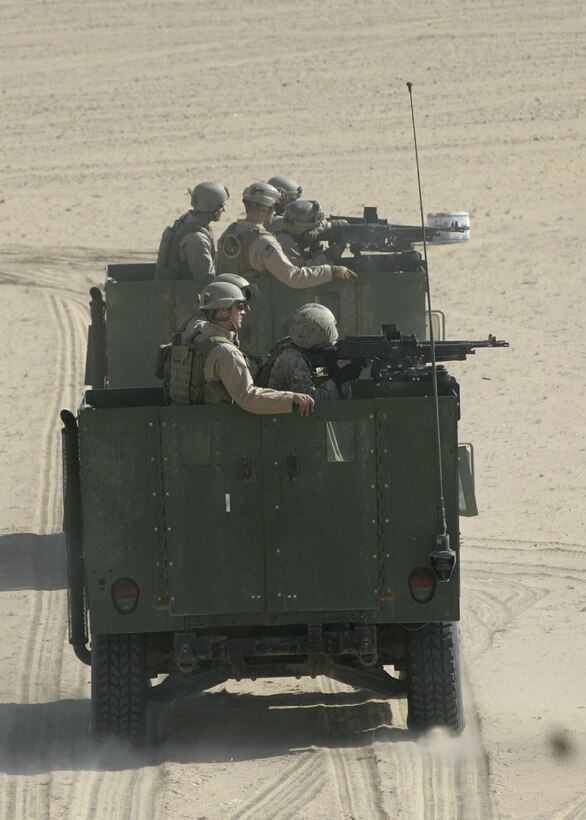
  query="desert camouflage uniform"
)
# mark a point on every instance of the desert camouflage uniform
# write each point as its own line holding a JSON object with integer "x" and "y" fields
{"x": 298, "y": 247}
{"x": 293, "y": 371}
{"x": 191, "y": 251}
{"x": 225, "y": 364}
{"x": 262, "y": 254}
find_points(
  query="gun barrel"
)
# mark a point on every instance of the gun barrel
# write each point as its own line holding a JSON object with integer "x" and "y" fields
{"x": 377, "y": 234}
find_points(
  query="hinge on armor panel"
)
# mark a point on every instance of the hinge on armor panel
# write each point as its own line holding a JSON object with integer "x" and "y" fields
{"x": 246, "y": 469}
{"x": 291, "y": 467}
{"x": 380, "y": 512}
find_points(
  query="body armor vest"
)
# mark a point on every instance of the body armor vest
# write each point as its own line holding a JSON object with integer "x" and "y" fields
{"x": 233, "y": 250}
{"x": 169, "y": 263}
{"x": 187, "y": 384}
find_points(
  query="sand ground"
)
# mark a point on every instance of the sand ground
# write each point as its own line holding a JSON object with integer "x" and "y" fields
{"x": 109, "y": 112}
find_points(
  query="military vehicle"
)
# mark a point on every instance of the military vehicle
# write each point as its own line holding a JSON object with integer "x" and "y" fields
{"x": 206, "y": 544}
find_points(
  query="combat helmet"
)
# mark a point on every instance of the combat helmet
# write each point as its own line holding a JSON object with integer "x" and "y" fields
{"x": 247, "y": 289}
{"x": 313, "y": 327}
{"x": 220, "y": 295}
{"x": 261, "y": 193}
{"x": 289, "y": 187}
{"x": 303, "y": 215}
{"x": 208, "y": 196}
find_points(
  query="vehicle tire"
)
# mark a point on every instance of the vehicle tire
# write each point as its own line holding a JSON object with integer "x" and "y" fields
{"x": 434, "y": 685}
{"x": 119, "y": 687}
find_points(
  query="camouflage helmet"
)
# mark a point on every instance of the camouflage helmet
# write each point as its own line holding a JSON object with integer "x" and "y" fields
{"x": 247, "y": 289}
{"x": 303, "y": 215}
{"x": 220, "y": 295}
{"x": 289, "y": 187}
{"x": 261, "y": 193}
{"x": 313, "y": 326}
{"x": 208, "y": 196}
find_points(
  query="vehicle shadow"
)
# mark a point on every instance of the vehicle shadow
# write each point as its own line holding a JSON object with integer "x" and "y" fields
{"x": 213, "y": 727}
{"x": 31, "y": 561}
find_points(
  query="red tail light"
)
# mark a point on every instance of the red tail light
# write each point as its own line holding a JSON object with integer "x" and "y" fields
{"x": 422, "y": 584}
{"x": 125, "y": 595}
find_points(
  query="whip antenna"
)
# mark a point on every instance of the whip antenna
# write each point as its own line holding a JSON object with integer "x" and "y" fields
{"x": 443, "y": 558}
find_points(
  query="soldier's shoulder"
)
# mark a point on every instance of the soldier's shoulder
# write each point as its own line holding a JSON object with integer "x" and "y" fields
{"x": 201, "y": 236}
{"x": 290, "y": 356}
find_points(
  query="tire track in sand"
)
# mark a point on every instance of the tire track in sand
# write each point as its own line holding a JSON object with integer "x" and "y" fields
{"x": 284, "y": 796}
{"x": 354, "y": 767}
{"x": 54, "y": 753}
{"x": 42, "y": 647}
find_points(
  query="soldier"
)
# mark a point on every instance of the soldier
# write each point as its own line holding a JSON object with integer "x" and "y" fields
{"x": 213, "y": 370}
{"x": 191, "y": 326}
{"x": 312, "y": 331}
{"x": 304, "y": 221}
{"x": 187, "y": 248}
{"x": 248, "y": 248}
{"x": 291, "y": 191}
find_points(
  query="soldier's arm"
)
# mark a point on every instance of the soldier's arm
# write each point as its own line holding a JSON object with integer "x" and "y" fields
{"x": 196, "y": 250}
{"x": 291, "y": 371}
{"x": 227, "y": 364}
{"x": 291, "y": 249}
{"x": 266, "y": 254}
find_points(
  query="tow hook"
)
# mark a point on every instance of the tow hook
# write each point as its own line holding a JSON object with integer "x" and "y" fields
{"x": 443, "y": 558}
{"x": 367, "y": 655}
{"x": 185, "y": 659}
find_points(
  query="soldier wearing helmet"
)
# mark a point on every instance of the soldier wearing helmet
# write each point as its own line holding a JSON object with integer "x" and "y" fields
{"x": 312, "y": 334}
{"x": 291, "y": 192}
{"x": 193, "y": 324}
{"x": 249, "y": 248}
{"x": 298, "y": 236}
{"x": 187, "y": 249}
{"x": 213, "y": 370}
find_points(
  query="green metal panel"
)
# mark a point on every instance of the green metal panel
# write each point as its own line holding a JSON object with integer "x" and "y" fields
{"x": 265, "y": 514}
{"x": 408, "y": 481}
{"x": 122, "y": 513}
{"x": 320, "y": 511}
{"x": 142, "y": 314}
{"x": 390, "y": 297}
{"x": 377, "y": 298}
{"x": 214, "y": 509}
{"x": 139, "y": 317}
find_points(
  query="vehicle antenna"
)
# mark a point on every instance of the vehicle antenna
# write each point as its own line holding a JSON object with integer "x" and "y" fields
{"x": 442, "y": 558}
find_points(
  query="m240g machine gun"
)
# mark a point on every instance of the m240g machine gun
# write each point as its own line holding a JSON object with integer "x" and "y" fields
{"x": 397, "y": 358}
{"x": 373, "y": 234}
{"x": 392, "y": 351}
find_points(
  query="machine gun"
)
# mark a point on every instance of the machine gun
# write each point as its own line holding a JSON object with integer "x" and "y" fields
{"x": 370, "y": 233}
{"x": 392, "y": 352}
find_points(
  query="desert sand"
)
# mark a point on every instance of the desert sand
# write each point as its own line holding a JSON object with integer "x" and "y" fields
{"x": 110, "y": 111}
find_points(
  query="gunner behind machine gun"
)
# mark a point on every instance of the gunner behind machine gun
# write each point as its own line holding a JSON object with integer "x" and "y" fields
{"x": 392, "y": 352}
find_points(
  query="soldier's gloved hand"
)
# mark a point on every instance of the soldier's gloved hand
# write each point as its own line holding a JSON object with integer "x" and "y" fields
{"x": 347, "y": 373}
{"x": 345, "y": 275}
{"x": 305, "y": 403}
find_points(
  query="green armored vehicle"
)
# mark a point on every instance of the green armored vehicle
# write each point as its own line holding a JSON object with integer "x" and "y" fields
{"x": 207, "y": 544}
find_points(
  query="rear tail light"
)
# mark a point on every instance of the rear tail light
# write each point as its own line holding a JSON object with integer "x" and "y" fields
{"x": 125, "y": 595}
{"x": 422, "y": 584}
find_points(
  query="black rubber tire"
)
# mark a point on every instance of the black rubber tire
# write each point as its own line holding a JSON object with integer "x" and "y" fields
{"x": 434, "y": 685}
{"x": 119, "y": 687}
